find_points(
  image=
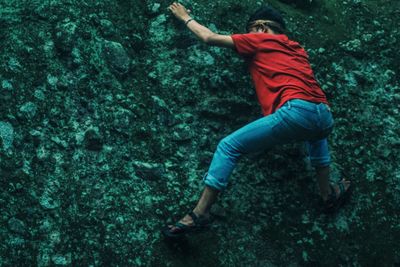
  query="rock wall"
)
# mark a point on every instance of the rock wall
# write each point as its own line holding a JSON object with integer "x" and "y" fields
{"x": 110, "y": 112}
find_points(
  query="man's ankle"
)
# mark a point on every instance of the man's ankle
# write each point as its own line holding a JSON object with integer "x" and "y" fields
{"x": 200, "y": 213}
{"x": 325, "y": 194}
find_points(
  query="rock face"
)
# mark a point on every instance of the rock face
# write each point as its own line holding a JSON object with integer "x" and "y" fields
{"x": 116, "y": 56}
{"x": 110, "y": 112}
{"x": 6, "y": 134}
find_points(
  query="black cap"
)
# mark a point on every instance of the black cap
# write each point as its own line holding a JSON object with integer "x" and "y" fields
{"x": 267, "y": 13}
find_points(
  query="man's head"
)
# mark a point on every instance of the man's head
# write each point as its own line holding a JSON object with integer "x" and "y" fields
{"x": 264, "y": 18}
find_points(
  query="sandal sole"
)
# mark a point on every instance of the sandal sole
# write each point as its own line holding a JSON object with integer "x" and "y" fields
{"x": 340, "y": 201}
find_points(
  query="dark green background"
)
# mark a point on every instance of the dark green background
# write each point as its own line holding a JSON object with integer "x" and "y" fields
{"x": 110, "y": 112}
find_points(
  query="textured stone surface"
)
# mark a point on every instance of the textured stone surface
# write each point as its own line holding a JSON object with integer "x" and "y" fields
{"x": 6, "y": 134}
{"x": 110, "y": 112}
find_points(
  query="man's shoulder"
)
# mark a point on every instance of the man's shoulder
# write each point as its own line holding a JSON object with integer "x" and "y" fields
{"x": 260, "y": 36}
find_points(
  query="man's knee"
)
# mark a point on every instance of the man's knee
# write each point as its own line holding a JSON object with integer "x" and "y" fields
{"x": 228, "y": 147}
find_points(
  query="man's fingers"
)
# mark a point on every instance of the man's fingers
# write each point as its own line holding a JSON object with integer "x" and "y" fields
{"x": 177, "y": 8}
{"x": 172, "y": 7}
{"x": 179, "y": 5}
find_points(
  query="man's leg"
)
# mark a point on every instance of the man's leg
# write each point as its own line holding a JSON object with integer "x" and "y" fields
{"x": 208, "y": 197}
{"x": 323, "y": 181}
{"x": 254, "y": 137}
{"x": 320, "y": 159}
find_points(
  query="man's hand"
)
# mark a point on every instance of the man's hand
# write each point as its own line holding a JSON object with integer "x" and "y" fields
{"x": 179, "y": 11}
{"x": 203, "y": 33}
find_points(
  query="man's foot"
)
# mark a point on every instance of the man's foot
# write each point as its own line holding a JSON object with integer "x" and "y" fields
{"x": 192, "y": 222}
{"x": 339, "y": 192}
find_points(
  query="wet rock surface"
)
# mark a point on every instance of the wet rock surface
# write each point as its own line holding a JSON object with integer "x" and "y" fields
{"x": 110, "y": 112}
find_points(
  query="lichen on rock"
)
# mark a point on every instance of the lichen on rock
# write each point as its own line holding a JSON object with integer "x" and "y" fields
{"x": 110, "y": 112}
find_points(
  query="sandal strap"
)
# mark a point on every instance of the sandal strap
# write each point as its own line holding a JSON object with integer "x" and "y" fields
{"x": 181, "y": 226}
{"x": 342, "y": 189}
{"x": 333, "y": 191}
{"x": 194, "y": 217}
{"x": 199, "y": 220}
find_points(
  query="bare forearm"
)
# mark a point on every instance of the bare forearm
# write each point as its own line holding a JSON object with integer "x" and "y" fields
{"x": 207, "y": 36}
{"x": 201, "y": 32}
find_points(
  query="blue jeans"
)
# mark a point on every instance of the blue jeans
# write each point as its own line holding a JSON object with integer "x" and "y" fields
{"x": 296, "y": 120}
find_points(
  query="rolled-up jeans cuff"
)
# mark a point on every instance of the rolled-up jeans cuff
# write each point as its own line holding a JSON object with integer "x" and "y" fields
{"x": 320, "y": 161}
{"x": 213, "y": 182}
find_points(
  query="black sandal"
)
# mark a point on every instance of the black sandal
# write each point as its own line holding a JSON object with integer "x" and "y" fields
{"x": 335, "y": 201}
{"x": 200, "y": 223}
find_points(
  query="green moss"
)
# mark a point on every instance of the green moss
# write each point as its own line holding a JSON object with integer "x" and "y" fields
{"x": 111, "y": 112}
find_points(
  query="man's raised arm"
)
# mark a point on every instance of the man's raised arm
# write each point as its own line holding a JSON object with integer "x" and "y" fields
{"x": 202, "y": 32}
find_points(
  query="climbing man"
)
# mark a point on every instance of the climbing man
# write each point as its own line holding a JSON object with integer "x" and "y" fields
{"x": 292, "y": 102}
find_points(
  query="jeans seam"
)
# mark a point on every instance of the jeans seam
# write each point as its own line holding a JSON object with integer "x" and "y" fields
{"x": 319, "y": 117}
{"x": 310, "y": 105}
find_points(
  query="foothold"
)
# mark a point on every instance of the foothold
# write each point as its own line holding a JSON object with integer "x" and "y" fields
{"x": 123, "y": 120}
{"x": 17, "y": 226}
{"x": 14, "y": 65}
{"x": 93, "y": 140}
{"x": 29, "y": 110}
{"x": 162, "y": 110}
{"x": 6, "y": 90}
{"x": 182, "y": 132}
{"x": 6, "y": 134}
{"x": 52, "y": 80}
{"x": 39, "y": 94}
{"x": 62, "y": 260}
{"x": 48, "y": 202}
{"x": 6, "y": 85}
{"x": 116, "y": 57}
{"x": 151, "y": 171}
{"x": 65, "y": 38}
{"x": 155, "y": 8}
{"x": 107, "y": 28}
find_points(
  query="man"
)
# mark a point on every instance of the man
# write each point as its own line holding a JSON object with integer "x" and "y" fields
{"x": 293, "y": 105}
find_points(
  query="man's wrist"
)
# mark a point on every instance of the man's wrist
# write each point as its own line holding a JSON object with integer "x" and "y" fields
{"x": 185, "y": 19}
{"x": 187, "y": 22}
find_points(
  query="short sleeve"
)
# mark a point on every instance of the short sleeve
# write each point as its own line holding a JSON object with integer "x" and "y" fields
{"x": 246, "y": 44}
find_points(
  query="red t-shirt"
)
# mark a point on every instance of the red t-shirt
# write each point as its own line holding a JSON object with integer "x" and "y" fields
{"x": 280, "y": 69}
